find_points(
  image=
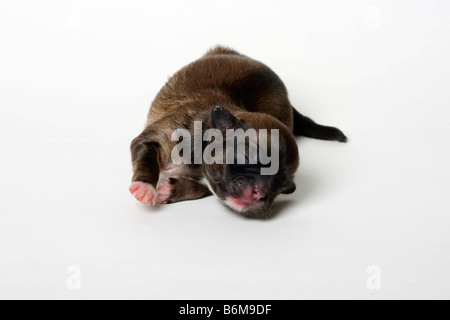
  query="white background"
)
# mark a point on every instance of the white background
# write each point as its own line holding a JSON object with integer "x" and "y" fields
{"x": 76, "y": 81}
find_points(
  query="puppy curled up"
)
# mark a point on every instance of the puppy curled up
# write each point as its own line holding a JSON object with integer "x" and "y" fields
{"x": 208, "y": 105}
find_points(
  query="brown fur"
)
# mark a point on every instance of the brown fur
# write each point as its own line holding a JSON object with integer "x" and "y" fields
{"x": 247, "y": 89}
{"x": 224, "y": 77}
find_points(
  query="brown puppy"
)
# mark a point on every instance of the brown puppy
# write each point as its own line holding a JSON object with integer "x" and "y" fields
{"x": 223, "y": 90}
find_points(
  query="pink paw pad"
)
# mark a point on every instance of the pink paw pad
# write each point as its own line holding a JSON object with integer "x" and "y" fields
{"x": 164, "y": 191}
{"x": 144, "y": 192}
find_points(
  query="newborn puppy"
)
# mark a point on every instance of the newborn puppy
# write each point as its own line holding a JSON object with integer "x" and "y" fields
{"x": 207, "y": 103}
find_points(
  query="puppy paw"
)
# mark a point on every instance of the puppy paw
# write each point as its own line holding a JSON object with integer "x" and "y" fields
{"x": 337, "y": 135}
{"x": 165, "y": 191}
{"x": 144, "y": 193}
{"x": 340, "y": 136}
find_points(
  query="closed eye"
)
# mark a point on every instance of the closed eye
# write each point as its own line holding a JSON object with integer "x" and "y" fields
{"x": 247, "y": 168}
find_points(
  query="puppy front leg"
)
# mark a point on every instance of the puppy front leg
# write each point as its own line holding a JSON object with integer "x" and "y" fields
{"x": 145, "y": 157}
{"x": 181, "y": 189}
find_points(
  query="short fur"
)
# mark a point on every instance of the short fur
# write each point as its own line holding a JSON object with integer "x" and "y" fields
{"x": 251, "y": 94}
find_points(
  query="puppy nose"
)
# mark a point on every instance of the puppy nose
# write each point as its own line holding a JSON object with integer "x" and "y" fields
{"x": 258, "y": 194}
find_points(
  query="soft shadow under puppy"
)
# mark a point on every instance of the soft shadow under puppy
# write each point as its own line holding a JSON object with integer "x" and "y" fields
{"x": 306, "y": 188}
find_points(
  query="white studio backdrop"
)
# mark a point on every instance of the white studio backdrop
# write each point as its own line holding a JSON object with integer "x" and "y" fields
{"x": 370, "y": 219}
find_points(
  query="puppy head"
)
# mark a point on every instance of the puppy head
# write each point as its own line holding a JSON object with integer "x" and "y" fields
{"x": 249, "y": 184}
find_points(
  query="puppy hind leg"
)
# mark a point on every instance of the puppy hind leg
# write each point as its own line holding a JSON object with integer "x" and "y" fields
{"x": 304, "y": 126}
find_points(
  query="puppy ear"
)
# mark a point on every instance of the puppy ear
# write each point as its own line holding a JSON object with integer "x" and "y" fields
{"x": 221, "y": 119}
{"x": 289, "y": 188}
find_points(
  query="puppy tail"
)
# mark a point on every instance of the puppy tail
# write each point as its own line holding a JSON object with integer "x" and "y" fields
{"x": 304, "y": 126}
